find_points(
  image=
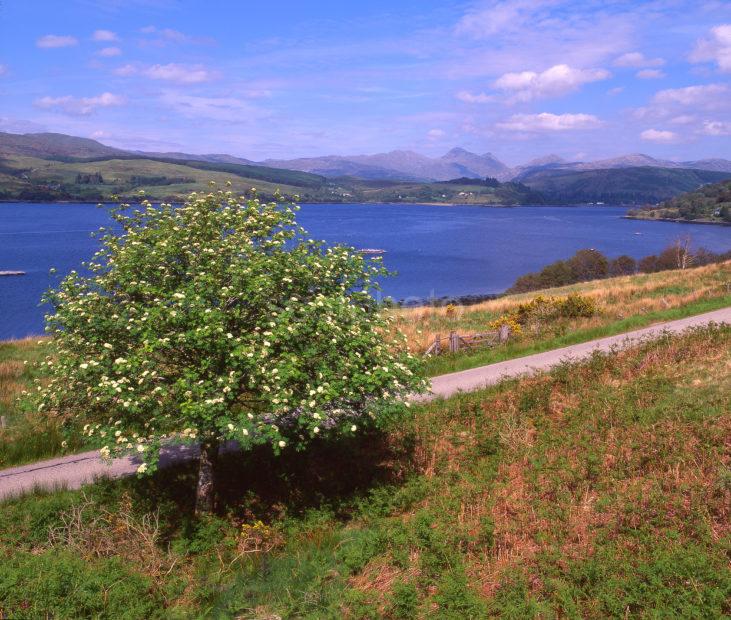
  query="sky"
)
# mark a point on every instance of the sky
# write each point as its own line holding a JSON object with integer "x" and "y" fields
{"x": 279, "y": 79}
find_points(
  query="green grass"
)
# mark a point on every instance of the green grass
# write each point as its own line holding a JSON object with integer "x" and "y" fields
{"x": 599, "y": 490}
{"x": 462, "y": 361}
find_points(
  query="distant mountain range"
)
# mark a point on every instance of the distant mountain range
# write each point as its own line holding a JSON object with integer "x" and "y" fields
{"x": 407, "y": 165}
{"x": 402, "y": 165}
{"x": 395, "y": 165}
{"x": 633, "y": 160}
{"x": 51, "y": 166}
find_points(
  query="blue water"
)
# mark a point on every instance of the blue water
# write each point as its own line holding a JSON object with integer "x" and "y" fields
{"x": 436, "y": 250}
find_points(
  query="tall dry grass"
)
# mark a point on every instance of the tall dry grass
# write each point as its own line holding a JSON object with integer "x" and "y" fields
{"x": 616, "y": 299}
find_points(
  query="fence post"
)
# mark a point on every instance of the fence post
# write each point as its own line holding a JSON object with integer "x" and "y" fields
{"x": 453, "y": 342}
{"x": 3, "y": 424}
{"x": 504, "y": 333}
{"x": 437, "y": 345}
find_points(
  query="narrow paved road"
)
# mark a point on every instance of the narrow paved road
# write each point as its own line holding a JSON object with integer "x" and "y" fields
{"x": 475, "y": 378}
{"x": 72, "y": 472}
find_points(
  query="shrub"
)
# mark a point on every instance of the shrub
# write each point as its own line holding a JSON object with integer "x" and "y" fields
{"x": 509, "y": 321}
{"x": 622, "y": 266}
{"x": 575, "y": 306}
{"x": 593, "y": 265}
{"x": 542, "y": 308}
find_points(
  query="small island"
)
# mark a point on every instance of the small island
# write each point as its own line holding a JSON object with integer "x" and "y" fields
{"x": 12, "y": 273}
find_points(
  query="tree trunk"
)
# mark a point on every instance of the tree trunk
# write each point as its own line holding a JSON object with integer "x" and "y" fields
{"x": 205, "y": 496}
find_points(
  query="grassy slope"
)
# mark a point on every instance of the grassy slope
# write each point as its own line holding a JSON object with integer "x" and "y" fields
{"x": 624, "y": 303}
{"x": 600, "y": 490}
{"x": 118, "y": 172}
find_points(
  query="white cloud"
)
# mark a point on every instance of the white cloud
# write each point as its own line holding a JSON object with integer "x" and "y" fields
{"x": 183, "y": 74}
{"x": 108, "y": 52}
{"x": 172, "y": 72}
{"x": 674, "y": 103}
{"x": 658, "y": 135}
{"x": 615, "y": 91}
{"x": 53, "y": 40}
{"x": 469, "y": 97}
{"x": 683, "y": 119}
{"x": 637, "y": 60}
{"x": 80, "y": 106}
{"x": 546, "y": 121}
{"x": 716, "y": 128}
{"x": 3, "y": 70}
{"x": 229, "y": 109}
{"x": 435, "y": 134}
{"x": 707, "y": 95}
{"x": 497, "y": 17}
{"x": 715, "y": 48}
{"x": 160, "y": 37}
{"x": 105, "y": 35}
{"x": 125, "y": 70}
{"x": 650, "y": 74}
{"x": 553, "y": 82}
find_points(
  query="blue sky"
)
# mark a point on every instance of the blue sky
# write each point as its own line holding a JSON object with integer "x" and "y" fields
{"x": 518, "y": 78}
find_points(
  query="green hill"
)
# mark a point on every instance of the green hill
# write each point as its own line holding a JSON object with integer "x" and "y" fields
{"x": 710, "y": 203}
{"x": 620, "y": 185}
{"x": 53, "y": 145}
{"x": 33, "y": 178}
{"x": 52, "y": 166}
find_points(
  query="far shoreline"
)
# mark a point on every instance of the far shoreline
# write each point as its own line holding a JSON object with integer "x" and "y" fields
{"x": 675, "y": 220}
{"x": 327, "y": 202}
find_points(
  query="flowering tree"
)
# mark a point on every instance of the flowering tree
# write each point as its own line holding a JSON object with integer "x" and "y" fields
{"x": 220, "y": 320}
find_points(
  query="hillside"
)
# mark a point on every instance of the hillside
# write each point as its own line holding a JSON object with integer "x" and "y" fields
{"x": 585, "y": 492}
{"x": 710, "y": 203}
{"x": 617, "y": 185}
{"x": 31, "y": 178}
{"x": 100, "y": 179}
{"x": 53, "y": 145}
{"x": 48, "y": 166}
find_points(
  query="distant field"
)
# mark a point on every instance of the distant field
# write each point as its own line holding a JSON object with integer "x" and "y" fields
{"x": 599, "y": 490}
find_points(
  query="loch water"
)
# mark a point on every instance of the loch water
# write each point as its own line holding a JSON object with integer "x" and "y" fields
{"x": 435, "y": 250}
